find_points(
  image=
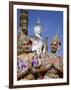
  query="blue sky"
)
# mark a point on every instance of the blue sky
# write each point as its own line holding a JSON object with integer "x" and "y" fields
{"x": 51, "y": 21}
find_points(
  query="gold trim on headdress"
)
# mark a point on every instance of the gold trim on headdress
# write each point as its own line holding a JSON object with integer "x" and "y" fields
{"x": 56, "y": 38}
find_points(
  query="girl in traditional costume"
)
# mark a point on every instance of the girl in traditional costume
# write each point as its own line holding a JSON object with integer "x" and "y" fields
{"x": 51, "y": 64}
{"x": 24, "y": 60}
{"x": 54, "y": 63}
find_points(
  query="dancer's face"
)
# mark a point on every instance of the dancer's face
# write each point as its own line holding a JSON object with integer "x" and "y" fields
{"x": 25, "y": 46}
{"x": 54, "y": 46}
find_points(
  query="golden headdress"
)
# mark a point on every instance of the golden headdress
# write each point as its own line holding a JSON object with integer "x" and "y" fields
{"x": 56, "y": 39}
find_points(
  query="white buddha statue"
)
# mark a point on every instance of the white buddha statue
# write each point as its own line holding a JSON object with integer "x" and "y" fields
{"x": 37, "y": 41}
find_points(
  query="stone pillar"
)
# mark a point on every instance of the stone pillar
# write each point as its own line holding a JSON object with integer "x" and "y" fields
{"x": 24, "y": 22}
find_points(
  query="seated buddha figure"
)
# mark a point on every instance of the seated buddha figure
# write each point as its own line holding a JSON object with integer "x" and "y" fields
{"x": 38, "y": 44}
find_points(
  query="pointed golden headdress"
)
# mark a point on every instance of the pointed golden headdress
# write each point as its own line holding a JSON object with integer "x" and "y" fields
{"x": 56, "y": 39}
